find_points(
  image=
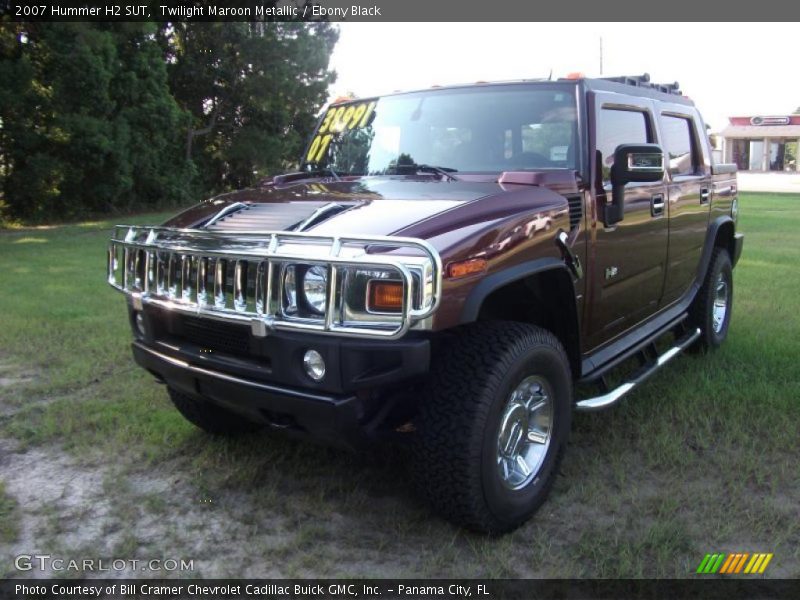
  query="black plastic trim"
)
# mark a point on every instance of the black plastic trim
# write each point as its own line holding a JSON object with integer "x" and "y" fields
{"x": 603, "y": 360}
{"x": 654, "y": 331}
{"x": 495, "y": 281}
{"x": 708, "y": 247}
{"x": 335, "y": 419}
{"x": 738, "y": 243}
{"x": 351, "y": 364}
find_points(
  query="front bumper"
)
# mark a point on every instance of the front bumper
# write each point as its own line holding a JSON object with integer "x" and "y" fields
{"x": 366, "y": 385}
{"x": 351, "y": 364}
{"x": 333, "y": 419}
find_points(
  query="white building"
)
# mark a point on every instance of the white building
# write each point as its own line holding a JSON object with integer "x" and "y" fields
{"x": 762, "y": 143}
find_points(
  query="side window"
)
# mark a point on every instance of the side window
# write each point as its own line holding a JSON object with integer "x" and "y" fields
{"x": 678, "y": 145}
{"x": 615, "y": 127}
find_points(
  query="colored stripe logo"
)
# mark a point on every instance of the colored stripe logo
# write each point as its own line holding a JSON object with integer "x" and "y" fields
{"x": 734, "y": 563}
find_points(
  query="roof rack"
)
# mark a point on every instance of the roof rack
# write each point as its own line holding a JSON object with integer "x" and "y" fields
{"x": 644, "y": 81}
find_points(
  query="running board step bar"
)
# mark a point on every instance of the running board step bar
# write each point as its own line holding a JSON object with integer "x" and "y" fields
{"x": 611, "y": 398}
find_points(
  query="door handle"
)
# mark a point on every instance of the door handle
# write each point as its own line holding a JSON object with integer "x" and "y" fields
{"x": 705, "y": 195}
{"x": 657, "y": 205}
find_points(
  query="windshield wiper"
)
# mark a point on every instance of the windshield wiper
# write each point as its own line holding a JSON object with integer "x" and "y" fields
{"x": 306, "y": 173}
{"x": 323, "y": 170}
{"x": 445, "y": 172}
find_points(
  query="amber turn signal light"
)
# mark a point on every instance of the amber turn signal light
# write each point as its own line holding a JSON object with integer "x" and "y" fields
{"x": 385, "y": 296}
{"x": 466, "y": 267}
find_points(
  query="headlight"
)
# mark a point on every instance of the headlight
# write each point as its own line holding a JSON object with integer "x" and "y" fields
{"x": 315, "y": 288}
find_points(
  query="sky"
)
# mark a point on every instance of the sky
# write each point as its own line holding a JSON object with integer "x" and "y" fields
{"x": 728, "y": 69}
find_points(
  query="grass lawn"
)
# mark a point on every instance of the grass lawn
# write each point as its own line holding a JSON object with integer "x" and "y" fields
{"x": 94, "y": 461}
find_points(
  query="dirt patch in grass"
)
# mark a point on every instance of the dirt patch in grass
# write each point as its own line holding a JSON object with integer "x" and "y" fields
{"x": 71, "y": 510}
{"x": 275, "y": 527}
{"x": 15, "y": 379}
{"x": 12, "y": 374}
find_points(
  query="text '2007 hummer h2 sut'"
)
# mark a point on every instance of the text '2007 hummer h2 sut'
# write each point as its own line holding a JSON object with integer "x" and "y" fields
{"x": 447, "y": 264}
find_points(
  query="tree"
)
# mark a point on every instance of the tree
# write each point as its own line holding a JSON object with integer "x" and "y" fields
{"x": 24, "y": 116}
{"x": 88, "y": 122}
{"x": 104, "y": 117}
{"x": 252, "y": 89}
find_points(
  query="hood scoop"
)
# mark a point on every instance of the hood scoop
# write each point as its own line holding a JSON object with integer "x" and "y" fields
{"x": 282, "y": 216}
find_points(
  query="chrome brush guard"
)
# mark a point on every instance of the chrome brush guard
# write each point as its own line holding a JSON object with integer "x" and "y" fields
{"x": 241, "y": 276}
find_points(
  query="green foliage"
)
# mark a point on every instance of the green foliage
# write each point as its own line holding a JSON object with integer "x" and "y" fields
{"x": 104, "y": 118}
{"x": 88, "y": 121}
{"x": 252, "y": 90}
{"x": 9, "y": 519}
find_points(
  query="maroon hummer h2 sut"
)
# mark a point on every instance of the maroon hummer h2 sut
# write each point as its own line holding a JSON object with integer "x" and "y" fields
{"x": 445, "y": 266}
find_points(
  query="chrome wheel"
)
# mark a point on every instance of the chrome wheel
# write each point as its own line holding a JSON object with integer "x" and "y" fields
{"x": 525, "y": 429}
{"x": 720, "y": 308}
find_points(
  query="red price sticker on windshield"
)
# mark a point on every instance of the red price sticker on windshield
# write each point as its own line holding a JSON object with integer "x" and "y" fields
{"x": 346, "y": 117}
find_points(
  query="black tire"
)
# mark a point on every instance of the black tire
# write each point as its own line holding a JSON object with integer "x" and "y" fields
{"x": 702, "y": 310}
{"x": 456, "y": 450}
{"x": 208, "y": 416}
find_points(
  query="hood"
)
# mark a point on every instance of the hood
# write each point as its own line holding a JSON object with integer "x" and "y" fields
{"x": 423, "y": 208}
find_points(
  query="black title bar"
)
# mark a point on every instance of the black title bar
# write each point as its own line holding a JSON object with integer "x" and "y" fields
{"x": 400, "y": 10}
{"x": 708, "y": 588}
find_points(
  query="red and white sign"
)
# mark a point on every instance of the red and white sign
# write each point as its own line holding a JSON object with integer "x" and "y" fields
{"x": 770, "y": 120}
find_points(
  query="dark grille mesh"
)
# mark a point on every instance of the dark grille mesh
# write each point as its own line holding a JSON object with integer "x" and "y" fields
{"x": 216, "y": 335}
{"x": 575, "y": 211}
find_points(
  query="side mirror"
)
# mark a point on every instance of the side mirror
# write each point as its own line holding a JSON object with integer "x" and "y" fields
{"x": 632, "y": 163}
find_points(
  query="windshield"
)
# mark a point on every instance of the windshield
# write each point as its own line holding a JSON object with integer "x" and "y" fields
{"x": 486, "y": 129}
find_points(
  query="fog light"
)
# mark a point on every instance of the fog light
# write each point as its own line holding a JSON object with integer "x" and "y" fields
{"x": 314, "y": 365}
{"x": 140, "y": 328}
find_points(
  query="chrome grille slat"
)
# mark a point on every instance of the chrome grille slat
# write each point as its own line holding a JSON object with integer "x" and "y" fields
{"x": 330, "y": 314}
{"x": 150, "y": 269}
{"x": 233, "y": 275}
{"x": 138, "y": 269}
{"x": 219, "y": 283}
{"x": 240, "y": 286}
{"x": 270, "y": 289}
{"x": 172, "y": 283}
{"x": 126, "y": 262}
{"x": 260, "y": 276}
{"x": 202, "y": 281}
{"x": 187, "y": 263}
{"x": 161, "y": 274}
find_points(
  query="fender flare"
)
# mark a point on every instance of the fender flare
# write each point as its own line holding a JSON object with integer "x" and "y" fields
{"x": 495, "y": 281}
{"x": 500, "y": 279}
{"x": 711, "y": 242}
